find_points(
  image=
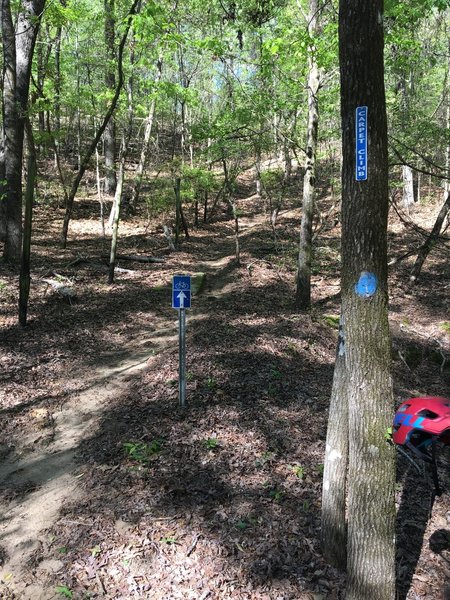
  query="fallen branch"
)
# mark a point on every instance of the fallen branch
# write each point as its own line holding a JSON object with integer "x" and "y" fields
{"x": 62, "y": 289}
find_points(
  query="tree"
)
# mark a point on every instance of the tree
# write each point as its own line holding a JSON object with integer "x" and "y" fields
{"x": 367, "y": 349}
{"x": 110, "y": 80}
{"x": 91, "y": 149}
{"x": 18, "y": 47}
{"x": 303, "y": 292}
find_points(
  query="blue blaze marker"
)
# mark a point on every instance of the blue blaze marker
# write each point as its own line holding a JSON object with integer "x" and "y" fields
{"x": 361, "y": 143}
{"x": 367, "y": 285}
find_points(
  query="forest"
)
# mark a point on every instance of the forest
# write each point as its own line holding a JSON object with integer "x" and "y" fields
{"x": 292, "y": 157}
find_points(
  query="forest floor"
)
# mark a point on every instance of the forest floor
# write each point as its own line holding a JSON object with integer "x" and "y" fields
{"x": 109, "y": 490}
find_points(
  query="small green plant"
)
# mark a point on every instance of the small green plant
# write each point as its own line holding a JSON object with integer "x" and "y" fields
{"x": 242, "y": 525}
{"x": 95, "y": 551}
{"x": 190, "y": 376}
{"x": 211, "y": 443}
{"x": 276, "y": 495}
{"x": 388, "y": 434}
{"x": 332, "y": 321}
{"x": 446, "y": 327}
{"x": 142, "y": 452}
{"x": 64, "y": 591}
{"x": 275, "y": 374}
{"x": 62, "y": 550}
{"x": 320, "y": 468}
{"x": 298, "y": 471}
{"x": 306, "y": 505}
{"x": 266, "y": 457}
{"x": 211, "y": 383}
{"x": 292, "y": 348}
{"x": 170, "y": 540}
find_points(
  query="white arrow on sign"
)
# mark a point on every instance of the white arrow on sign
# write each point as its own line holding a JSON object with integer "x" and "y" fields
{"x": 182, "y": 297}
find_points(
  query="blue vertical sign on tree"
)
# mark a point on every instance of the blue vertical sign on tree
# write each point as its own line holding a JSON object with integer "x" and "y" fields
{"x": 361, "y": 143}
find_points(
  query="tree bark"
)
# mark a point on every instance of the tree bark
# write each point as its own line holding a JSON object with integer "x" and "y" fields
{"x": 371, "y": 474}
{"x": 334, "y": 526}
{"x": 408, "y": 186}
{"x": 303, "y": 291}
{"x": 24, "y": 278}
{"x": 109, "y": 136}
{"x": 145, "y": 145}
{"x": 18, "y": 48}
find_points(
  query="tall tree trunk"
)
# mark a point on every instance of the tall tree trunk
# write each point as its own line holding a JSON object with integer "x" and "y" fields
{"x": 24, "y": 278}
{"x": 18, "y": 48}
{"x": 13, "y": 144}
{"x": 126, "y": 136}
{"x": 3, "y": 189}
{"x": 57, "y": 84}
{"x": 117, "y": 205}
{"x": 145, "y": 144}
{"x": 303, "y": 291}
{"x": 109, "y": 136}
{"x": 334, "y": 526}
{"x": 371, "y": 474}
{"x": 408, "y": 186}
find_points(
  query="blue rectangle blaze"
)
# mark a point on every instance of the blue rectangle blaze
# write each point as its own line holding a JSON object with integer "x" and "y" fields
{"x": 361, "y": 143}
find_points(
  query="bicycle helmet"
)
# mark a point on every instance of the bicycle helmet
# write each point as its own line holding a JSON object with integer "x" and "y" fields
{"x": 420, "y": 421}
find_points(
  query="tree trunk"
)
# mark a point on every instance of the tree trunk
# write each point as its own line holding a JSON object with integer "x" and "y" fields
{"x": 18, "y": 48}
{"x": 371, "y": 475}
{"x": 13, "y": 143}
{"x": 334, "y": 527}
{"x": 2, "y": 191}
{"x": 115, "y": 225}
{"x": 109, "y": 136}
{"x": 24, "y": 278}
{"x": 145, "y": 144}
{"x": 303, "y": 291}
{"x": 408, "y": 186}
{"x": 126, "y": 136}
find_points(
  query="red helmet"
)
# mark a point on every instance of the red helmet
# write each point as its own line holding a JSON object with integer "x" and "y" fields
{"x": 421, "y": 419}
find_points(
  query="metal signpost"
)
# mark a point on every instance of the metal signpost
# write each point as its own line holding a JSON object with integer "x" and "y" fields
{"x": 361, "y": 143}
{"x": 181, "y": 299}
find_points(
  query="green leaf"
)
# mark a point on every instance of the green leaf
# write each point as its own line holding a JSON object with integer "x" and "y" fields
{"x": 64, "y": 591}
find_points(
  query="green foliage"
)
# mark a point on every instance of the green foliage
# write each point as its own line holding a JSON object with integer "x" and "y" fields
{"x": 332, "y": 321}
{"x": 267, "y": 457}
{"x": 169, "y": 540}
{"x": 275, "y": 374}
{"x": 64, "y": 591}
{"x": 298, "y": 471}
{"x": 446, "y": 327}
{"x": 211, "y": 443}
{"x": 276, "y": 495}
{"x": 273, "y": 179}
{"x": 211, "y": 383}
{"x": 141, "y": 452}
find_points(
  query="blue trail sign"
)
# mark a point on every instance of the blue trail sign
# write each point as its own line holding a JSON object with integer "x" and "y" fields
{"x": 361, "y": 143}
{"x": 181, "y": 291}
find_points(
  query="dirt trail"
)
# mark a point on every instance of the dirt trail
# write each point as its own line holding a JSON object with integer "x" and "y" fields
{"x": 43, "y": 475}
{"x": 48, "y": 475}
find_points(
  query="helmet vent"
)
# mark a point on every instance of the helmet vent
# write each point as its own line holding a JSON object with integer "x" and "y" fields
{"x": 427, "y": 414}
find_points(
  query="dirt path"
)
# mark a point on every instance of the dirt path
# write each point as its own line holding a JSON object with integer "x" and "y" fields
{"x": 51, "y": 472}
{"x": 43, "y": 471}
